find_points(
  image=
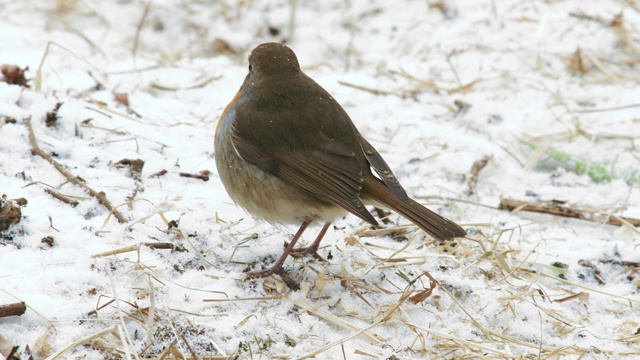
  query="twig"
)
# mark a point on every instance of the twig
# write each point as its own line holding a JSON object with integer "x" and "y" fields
{"x": 158, "y": 174}
{"x": 425, "y": 83}
{"x": 383, "y": 215}
{"x": 601, "y": 67}
{"x": 87, "y": 123}
{"x": 100, "y": 196}
{"x": 38, "y": 78}
{"x": 171, "y": 349}
{"x": 204, "y": 175}
{"x": 136, "y": 39}
{"x": 135, "y": 168}
{"x": 84, "y": 340}
{"x": 584, "y": 16}
{"x": 15, "y": 309}
{"x": 364, "y": 88}
{"x": 366, "y": 232}
{"x": 630, "y": 300}
{"x": 201, "y": 84}
{"x": 597, "y": 274}
{"x": 149, "y": 323}
{"x": 136, "y": 247}
{"x": 633, "y": 264}
{"x": 257, "y": 298}
{"x": 95, "y": 311}
{"x": 615, "y": 108}
{"x": 463, "y": 88}
{"x": 559, "y": 209}
{"x": 63, "y": 198}
{"x": 477, "y": 166}
{"x": 184, "y": 340}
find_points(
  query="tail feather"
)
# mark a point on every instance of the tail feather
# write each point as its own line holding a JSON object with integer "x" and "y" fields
{"x": 432, "y": 223}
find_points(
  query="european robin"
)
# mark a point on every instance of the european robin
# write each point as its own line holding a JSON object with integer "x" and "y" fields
{"x": 287, "y": 152}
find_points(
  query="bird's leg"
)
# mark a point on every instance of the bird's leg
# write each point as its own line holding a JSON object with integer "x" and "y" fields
{"x": 277, "y": 267}
{"x": 313, "y": 249}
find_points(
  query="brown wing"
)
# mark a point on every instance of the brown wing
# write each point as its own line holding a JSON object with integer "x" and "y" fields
{"x": 329, "y": 171}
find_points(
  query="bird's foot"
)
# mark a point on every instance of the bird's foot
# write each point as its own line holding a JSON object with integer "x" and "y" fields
{"x": 275, "y": 270}
{"x": 307, "y": 251}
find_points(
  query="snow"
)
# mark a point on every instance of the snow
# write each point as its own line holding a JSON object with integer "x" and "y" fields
{"x": 499, "y": 293}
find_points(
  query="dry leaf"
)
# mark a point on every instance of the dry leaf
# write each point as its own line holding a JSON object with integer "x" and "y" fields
{"x": 351, "y": 240}
{"x": 13, "y": 74}
{"x": 121, "y": 98}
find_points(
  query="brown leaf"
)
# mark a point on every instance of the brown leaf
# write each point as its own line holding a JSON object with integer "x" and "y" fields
{"x": 135, "y": 166}
{"x": 351, "y": 240}
{"x": 51, "y": 118}
{"x": 121, "y": 98}
{"x": 13, "y": 74}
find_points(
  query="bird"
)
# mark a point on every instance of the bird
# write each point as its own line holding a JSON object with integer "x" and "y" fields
{"x": 288, "y": 153}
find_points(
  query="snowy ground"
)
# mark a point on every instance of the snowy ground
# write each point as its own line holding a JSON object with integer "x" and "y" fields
{"x": 548, "y": 90}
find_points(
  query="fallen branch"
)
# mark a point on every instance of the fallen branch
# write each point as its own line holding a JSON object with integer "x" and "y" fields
{"x": 562, "y": 209}
{"x": 100, "y": 196}
{"x": 15, "y": 309}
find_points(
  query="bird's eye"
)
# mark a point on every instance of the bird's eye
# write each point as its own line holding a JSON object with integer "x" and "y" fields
{"x": 250, "y": 67}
